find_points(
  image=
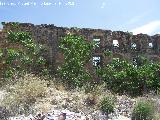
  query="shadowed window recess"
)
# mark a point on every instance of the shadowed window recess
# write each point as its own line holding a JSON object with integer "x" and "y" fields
{"x": 96, "y": 61}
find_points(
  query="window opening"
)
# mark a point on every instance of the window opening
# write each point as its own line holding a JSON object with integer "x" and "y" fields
{"x": 96, "y": 61}
{"x": 150, "y": 45}
{"x": 133, "y": 45}
{"x": 97, "y": 41}
{"x": 115, "y": 43}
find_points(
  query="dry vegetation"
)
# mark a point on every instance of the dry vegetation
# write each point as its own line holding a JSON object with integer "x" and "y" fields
{"x": 31, "y": 94}
{"x": 23, "y": 93}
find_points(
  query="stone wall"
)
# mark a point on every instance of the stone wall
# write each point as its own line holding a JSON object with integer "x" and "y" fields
{"x": 122, "y": 44}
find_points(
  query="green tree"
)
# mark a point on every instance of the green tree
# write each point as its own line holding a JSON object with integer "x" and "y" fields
{"x": 77, "y": 52}
{"x": 124, "y": 77}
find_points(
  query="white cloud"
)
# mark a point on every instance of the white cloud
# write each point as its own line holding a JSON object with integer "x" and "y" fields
{"x": 149, "y": 28}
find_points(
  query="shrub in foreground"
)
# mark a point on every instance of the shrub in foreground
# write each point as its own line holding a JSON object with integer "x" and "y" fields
{"x": 144, "y": 110}
{"x": 107, "y": 104}
{"x": 23, "y": 94}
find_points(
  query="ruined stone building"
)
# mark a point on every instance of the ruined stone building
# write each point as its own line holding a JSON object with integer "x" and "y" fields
{"x": 122, "y": 44}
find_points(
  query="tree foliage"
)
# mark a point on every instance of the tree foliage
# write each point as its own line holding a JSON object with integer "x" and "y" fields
{"x": 123, "y": 77}
{"x": 77, "y": 52}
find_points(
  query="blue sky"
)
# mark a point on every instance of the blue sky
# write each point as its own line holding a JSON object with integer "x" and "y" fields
{"x": 137, "y": 16}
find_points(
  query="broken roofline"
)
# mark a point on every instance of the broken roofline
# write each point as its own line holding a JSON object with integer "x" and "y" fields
{"x": 70, "y": 28}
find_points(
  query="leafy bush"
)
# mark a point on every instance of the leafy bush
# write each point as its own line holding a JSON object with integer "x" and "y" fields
{"x": 24, "y": 93}
{"x": 77, "y": 53}
{"x": 120, "y": 76}
{"x": 123, "y": 77}
{"x": 144, "y": 110}
{"x": 107, "y": 104}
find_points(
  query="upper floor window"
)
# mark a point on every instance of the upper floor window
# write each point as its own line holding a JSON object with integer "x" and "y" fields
{"x": 97, "y": 41}
{"x": 115, "y": 43}
{"x": 150, "y": 45}
{"x": 133, "y": 45}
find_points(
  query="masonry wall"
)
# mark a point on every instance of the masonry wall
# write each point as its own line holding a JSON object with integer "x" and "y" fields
{"x": 49, "y": 35}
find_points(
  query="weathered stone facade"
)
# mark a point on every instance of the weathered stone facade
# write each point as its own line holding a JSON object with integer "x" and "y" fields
{"x": 122, "y": 44}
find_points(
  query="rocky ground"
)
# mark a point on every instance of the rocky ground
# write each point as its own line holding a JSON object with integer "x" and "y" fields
{"x": 70, "y": 105}
{"x": 68, "y": 115}
{"x": 61, "y": 105}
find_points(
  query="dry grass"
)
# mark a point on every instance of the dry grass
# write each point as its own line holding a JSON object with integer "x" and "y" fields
{"x": 24, "y": 93}
{"x": 75, "y": 100}
{"x": 30, "y": 94}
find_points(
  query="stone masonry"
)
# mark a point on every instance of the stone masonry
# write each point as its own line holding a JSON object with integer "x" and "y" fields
{"x": 122, "y": 44}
